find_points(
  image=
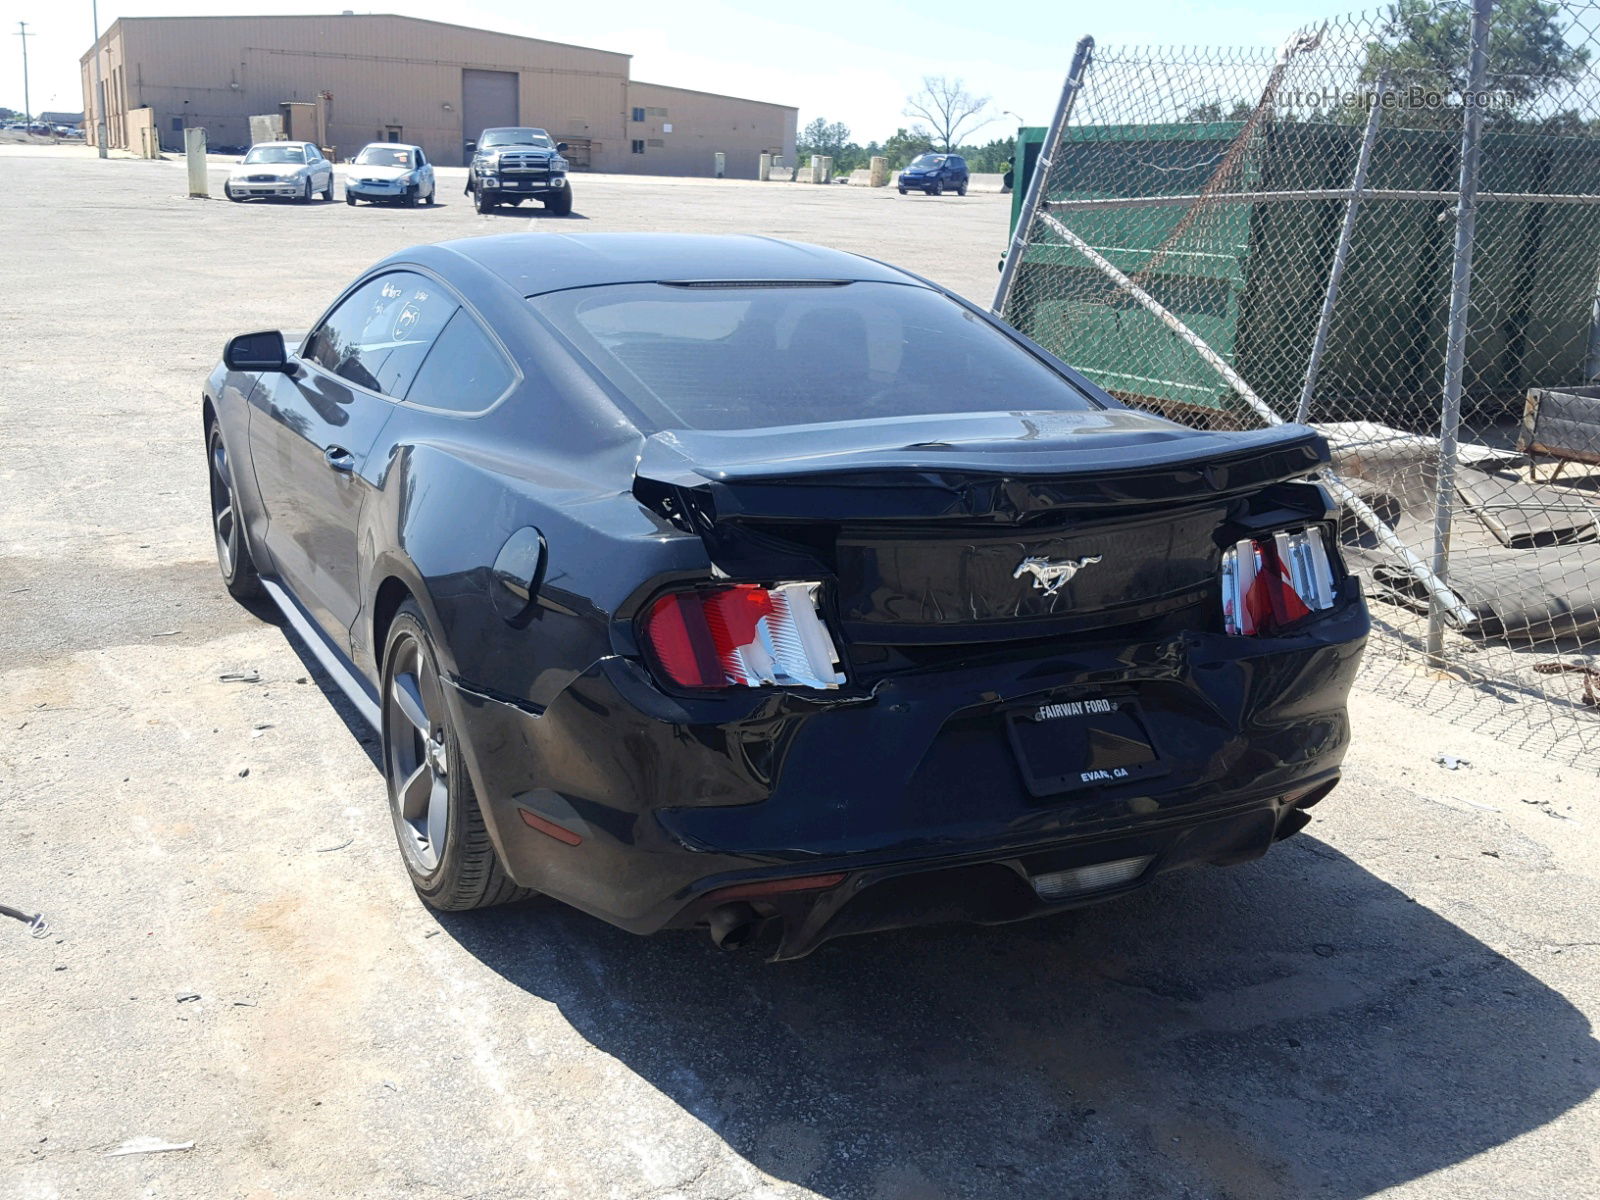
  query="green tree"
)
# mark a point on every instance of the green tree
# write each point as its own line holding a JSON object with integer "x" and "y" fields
{"x": 1425, "y": 49}
{"x": 989, "y": 158}
{"x": 904, "y": 146}
{"x": 1212, "y": 112}
{"x": 821, "y": 137}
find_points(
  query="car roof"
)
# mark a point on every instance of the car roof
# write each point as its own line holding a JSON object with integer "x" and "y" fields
{"x": 390, "y": 146}
{"x": 299, "y": 145}
{"x": 552, "y": 262}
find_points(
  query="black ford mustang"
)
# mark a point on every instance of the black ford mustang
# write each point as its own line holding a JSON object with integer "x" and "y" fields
{"x": 729, "y": 581}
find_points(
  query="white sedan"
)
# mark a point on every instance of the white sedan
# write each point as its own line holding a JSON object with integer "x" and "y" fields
{"x": 295, "y": 170}
{"x": 390, "y": 171}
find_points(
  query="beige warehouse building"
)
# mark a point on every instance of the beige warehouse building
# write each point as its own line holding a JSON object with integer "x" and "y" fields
{"x": 391, "y": 78}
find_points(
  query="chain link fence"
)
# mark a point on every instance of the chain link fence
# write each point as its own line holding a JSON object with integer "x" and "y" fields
{"x": 1388, "y": 227}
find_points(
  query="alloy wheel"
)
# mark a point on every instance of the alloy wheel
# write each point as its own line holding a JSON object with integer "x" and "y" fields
{"x": 418, "y": 752}
{"x": 224, "y": 514}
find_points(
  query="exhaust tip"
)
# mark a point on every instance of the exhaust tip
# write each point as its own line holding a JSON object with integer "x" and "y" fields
{"x": 1082, "y": 881}
{"x": 732, "y": 926}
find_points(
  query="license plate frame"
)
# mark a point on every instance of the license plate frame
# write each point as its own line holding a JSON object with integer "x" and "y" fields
{"x": 1086, "y": 742}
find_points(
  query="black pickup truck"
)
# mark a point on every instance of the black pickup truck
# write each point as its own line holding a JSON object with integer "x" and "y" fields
{"x": 513, "y": 164}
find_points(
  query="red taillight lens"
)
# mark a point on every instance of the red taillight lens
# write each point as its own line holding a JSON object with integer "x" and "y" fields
{"x": 1268, "y": 583}
{"x": 744, "y": 635}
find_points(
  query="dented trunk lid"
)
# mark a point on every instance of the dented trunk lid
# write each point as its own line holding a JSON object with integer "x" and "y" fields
{"x": 975, "y": 527}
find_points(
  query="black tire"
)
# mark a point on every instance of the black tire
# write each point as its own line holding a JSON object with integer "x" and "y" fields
{"x": 481, "y": 202}
{"x": 431, "y": 193}
{"x": 902, "y": 191}
{"x": 411, "y": 200}
{"x": 349, "y": 199}
{"x": 305, "y": 197}
{"x": 232, "y": 542}
{"x": 466, "y": 873}
{"x": 327, "y": 192}
{"x": 560, "y": 205}
{"x": 228, "y": 192}
{"x": 936, "y": 189}
{"x": 961, "y": 190}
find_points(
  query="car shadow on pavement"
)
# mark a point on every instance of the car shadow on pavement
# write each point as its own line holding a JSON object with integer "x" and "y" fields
{"x": 1291, "y": 1027}
{"x": 535, "y": 212}
{"x": 365, "y": 736}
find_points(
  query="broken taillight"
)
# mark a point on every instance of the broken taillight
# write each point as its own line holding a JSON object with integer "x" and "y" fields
{"x": 1271, "y": 582}
{"x": 743, "y": 635}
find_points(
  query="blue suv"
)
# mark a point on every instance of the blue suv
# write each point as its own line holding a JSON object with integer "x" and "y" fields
{"x": 934, "y": 173}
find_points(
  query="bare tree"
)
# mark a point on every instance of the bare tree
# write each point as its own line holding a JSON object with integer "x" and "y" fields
{"x": 950, "y": 110}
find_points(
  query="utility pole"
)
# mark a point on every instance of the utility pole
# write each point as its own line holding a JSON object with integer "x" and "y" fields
{"x": 99, "y": 88}
{"x": 27, "y": 107}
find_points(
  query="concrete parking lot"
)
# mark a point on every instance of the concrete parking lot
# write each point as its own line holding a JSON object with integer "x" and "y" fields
{"x": 1399, "y": 1001}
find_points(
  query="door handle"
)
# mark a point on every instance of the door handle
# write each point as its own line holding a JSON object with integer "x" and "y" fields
{"x": 338, "y": 458}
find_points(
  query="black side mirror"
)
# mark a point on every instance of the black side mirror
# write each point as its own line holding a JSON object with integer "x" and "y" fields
{"x": 256, "y": 352}
{"x": 561, "y": 147}
{"x": 471, "y": 146}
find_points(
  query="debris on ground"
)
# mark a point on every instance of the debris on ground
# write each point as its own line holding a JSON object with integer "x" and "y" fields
{"x": 331, "y": 849}
{"x": 1451, "y": 762}
{"x": 148, "y": 1145}
{"x": 240, "y": 677}
{"x": 1591, "y": 677}
{"x": 185, "y": 997}
{"x": 37, "y": 926}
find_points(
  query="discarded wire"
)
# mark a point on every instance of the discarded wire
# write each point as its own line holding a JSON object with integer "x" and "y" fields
{"x": 37, "y": 926}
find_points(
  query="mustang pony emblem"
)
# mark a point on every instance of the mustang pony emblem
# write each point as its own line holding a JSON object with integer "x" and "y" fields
{"x": 1051, "y": 574}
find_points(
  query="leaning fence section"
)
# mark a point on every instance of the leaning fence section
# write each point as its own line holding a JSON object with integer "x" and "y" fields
{"x": 1389, "y": 226}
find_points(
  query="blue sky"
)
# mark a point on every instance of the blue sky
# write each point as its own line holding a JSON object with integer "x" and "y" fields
{"x": 851, "y": 62}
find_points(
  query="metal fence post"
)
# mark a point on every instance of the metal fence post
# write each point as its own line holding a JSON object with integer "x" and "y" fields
{"x": 1041, "y": 170}
{"x": 1460, "y": 300}
{"x": 1341, "y": 252}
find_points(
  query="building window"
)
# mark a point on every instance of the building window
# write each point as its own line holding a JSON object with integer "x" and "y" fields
{"x": 656, "y": 143}
{"x": 177, "y": 124}
{"x": 638, "y": 145}
{"x": 638, "y": 114}
{"x": 656, "y": 112}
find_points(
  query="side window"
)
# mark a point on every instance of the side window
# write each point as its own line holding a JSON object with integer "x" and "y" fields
{"x": 465, "y": 371}
{"x": 381, "y": 332}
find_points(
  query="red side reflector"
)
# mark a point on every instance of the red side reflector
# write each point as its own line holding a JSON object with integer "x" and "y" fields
{"x": 775, "y": 887}
{"x": 550, "y": 828}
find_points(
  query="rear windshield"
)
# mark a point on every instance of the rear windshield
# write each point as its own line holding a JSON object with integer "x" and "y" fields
{"x": 276, "y": 154}
{"x": 757, "y": 357}
{"x": 928, "y": 161}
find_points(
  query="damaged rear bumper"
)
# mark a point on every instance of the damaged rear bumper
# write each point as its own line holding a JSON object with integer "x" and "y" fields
{"x": 646, "y": 809}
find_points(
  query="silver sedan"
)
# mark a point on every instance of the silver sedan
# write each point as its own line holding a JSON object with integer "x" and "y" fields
{"x": 291, "y": 170}
{"x": 389, "y": 171}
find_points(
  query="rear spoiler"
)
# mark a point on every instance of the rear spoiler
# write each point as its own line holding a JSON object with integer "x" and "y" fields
{"x": 703, "y": 478}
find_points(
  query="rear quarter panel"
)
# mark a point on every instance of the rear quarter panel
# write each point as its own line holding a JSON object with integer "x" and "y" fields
{"x": 443, "y": 514}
